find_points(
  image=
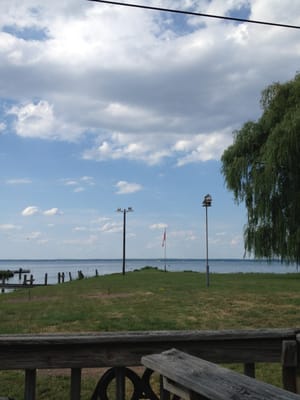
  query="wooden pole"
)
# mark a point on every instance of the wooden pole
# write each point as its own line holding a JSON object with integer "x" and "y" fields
{"x": 30, "y": 384}
{"x": 124, "y": 241}
{"x": 289, "y": 361}
{"x": 75, "y": 384}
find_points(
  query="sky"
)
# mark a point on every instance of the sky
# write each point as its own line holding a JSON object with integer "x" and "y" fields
{"x": 105, "y": 107}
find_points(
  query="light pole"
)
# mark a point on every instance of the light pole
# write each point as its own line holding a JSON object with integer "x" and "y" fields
{"x": 207, "y": 203}
{"x": 124, "y": 211}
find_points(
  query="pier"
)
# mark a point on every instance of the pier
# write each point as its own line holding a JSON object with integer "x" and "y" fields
{"x": 28, "y": 283}
{"x": 19, "y": 285}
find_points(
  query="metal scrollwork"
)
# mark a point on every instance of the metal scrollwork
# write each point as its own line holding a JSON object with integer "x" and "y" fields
{"x": 141, "y": 385}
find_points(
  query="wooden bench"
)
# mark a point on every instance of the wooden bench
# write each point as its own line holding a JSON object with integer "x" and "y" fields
{"x": 192, "y": 378}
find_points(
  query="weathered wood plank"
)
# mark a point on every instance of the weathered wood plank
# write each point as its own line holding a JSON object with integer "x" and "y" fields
{"x": 153, "y": 336}
{"x": 127, "y": 348}
{"x": 194, "y": 376}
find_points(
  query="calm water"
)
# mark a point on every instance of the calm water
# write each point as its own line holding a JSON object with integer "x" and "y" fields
{"x": 38, "y": 268}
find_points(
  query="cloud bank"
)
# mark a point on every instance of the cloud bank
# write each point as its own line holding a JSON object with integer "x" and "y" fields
{"x": 140, "y": 86}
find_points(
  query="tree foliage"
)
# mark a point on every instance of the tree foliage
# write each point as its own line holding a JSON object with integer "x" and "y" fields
{"x": 262, "y": 168}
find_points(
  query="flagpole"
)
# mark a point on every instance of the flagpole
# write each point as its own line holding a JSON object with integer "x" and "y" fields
{"x": 165, "y": 252}
{"x": 164, "y": 244}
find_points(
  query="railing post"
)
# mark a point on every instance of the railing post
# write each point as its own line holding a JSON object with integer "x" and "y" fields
{"x": 298, "y": 365}
{"x": 30, "y": 384}
{"x": 289, "y": 361}
{"x": 249, "y": 370}
{"x": 75, "y": 384}
{"x": 120, "y": 383}
{"x": 164, "y": 394}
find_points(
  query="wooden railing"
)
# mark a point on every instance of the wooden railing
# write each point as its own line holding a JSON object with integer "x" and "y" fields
{"x": 119, "y": 351}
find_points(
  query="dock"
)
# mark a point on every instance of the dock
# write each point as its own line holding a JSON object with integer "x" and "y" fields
{"x": 21, "y": 271}
{"x": 19, "y": 285}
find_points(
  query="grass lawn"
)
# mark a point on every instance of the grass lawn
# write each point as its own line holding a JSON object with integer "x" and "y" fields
{"x": 151, "y": 300}
{"x": 155, "y": 300}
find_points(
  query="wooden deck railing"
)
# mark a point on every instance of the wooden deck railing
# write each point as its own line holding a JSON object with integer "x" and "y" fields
{"x": 125, "y": 349}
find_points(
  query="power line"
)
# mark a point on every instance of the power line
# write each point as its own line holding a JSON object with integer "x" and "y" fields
{"x": 118, "y": 3}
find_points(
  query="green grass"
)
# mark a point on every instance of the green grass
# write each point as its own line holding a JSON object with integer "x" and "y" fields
{"x": 150, "y": 300}
{"x": 154, "y": 300}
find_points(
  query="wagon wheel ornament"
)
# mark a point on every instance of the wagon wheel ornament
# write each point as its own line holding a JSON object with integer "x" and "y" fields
{"x": 141, "y": 385}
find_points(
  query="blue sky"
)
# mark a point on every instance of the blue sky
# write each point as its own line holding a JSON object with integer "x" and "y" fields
{"x": 104, "y": 107}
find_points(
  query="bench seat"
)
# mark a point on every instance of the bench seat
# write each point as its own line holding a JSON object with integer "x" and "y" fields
{"x": 193, "y": 378}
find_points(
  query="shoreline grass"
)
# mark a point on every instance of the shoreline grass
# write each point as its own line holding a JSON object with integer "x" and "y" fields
{"x": 155, "y": 300}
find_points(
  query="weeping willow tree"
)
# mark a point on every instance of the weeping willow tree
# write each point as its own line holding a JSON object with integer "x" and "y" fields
{"x": 262, "y": 169}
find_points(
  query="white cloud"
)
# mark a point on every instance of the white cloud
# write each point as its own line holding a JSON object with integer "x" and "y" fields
{"x": 124, "y": 187}
{"x": 29, "y": 211}
{"x": 80, "y": 184}
{"x": 147, "y": 148}
{"x": 37, "y": 120}
{"x": 100, "y": 220}
{"x": 33, "y": 236}
{"x": 9, "y": 227}
{"x": 52, "y": 211}
{"x": 153, "y": 150}
{"x": 33, "y": 120}
{"x": 70, "y": 182}
{"x": 158, "y": 226}
{"x": 42, "y": 242}
{"x": 88, "y": 180}
{"x": 33, "y": 210}
{"x": 2, "y": 126}
{"x": 111, "y": 227}
{"x": 19, "y": 181}
{"x": 80, "y": 229}
{"x": 187, "y": 235}
{"x": 105, "y": 225}
{"x": 236, "y": 241}
{"x": 89, "y": 241}
{"x": 79, "y": 189}
{"x": 202, "y": 147}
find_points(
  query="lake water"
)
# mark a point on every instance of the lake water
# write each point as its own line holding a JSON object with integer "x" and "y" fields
{"x": 38, "y": 268}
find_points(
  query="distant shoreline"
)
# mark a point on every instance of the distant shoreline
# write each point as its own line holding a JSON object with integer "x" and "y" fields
{"x": 143, "y": 259}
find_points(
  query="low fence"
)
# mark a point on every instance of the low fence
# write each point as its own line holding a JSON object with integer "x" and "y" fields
{"x": 122, "y": 350}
